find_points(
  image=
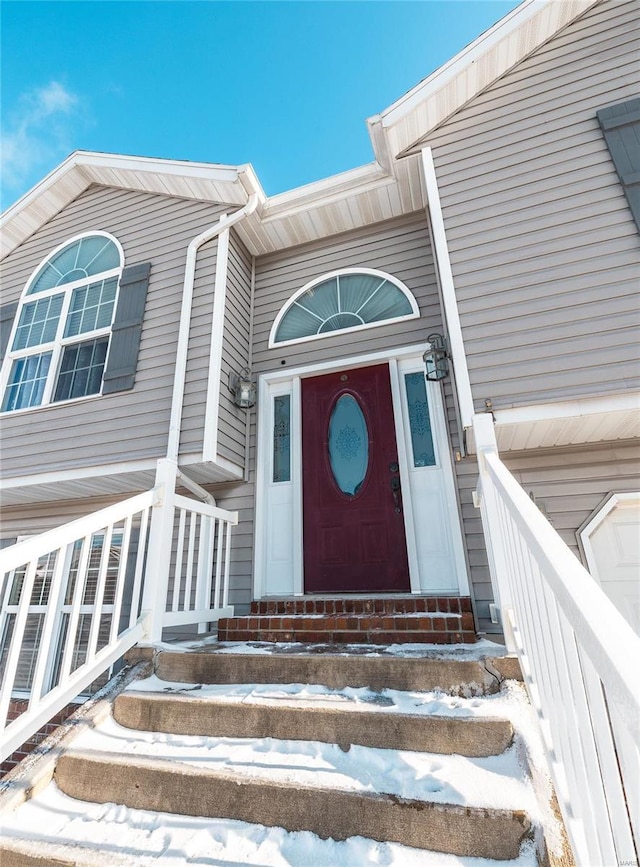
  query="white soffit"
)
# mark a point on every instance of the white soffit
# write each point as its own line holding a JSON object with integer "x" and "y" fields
{"x": 355, "y": 199}
{"x": 201, "y": 181}
{"x": 576, "y": 422}
{"x": 411, "y": 118}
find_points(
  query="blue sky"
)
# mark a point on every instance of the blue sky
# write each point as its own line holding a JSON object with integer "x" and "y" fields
{"x": 284, "y": 85}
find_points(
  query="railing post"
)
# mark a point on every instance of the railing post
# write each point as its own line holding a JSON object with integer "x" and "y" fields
{"x": 486, "y": 443}
{"x": 156, "y": 579}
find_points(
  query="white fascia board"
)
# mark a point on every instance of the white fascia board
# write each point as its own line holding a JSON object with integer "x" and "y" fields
{"x": 448, "y": 71}
{"x": 629, "y": 402}
{"x": 523, "y": 30}
{"x": 179, "y": 168}
{"x": 78, "y": 473}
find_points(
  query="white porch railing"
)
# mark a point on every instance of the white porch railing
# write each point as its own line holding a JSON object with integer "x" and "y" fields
{"x": 76, "y": 598}
{"x": 580, "y": 659}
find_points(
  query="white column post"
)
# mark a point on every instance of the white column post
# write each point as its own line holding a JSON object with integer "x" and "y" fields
{"x": 486, "y": 443}
{"x": 154, "y": 594}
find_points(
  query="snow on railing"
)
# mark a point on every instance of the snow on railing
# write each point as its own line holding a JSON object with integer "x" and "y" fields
{"x": 70, "y": 603}
{"x": 580, "y": 660}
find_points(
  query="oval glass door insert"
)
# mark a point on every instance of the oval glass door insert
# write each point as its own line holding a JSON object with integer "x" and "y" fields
{"x": 348, "y": 445}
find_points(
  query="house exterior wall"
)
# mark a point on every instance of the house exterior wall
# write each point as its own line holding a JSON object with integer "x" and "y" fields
{"x": 570, "y": 484}
{"x": 128, "y": 425}
{"x": 544, "y": 251}
{"x": 401, "y": 248}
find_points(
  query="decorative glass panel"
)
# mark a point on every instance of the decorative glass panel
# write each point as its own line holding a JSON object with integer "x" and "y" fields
{"x": 91, "y": 307}
{"x": 282, "y": 438}
{"x": 26, "y": 382}
{"x": 343, "y": 301}
{"x": 38, "y": 322}
{"x": 84, "y": 258}
{"x": 348, "y": 445}
{"x": 419, "y": 421}
{"x": 81, "y": 369}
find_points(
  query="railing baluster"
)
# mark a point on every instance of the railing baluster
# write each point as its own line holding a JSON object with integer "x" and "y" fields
{"x": 19, "y": 624}
{"x": 177, "y": 574}
{"x": 57, "y": 589}
{"x": 96, "y": 617}
{"x": 219, "y": 541}
{"x": 118, "y": 592}
{"x": 140, "y": 560}
{"x": 74, "y": 615}
{"x": 227, "y": 567}
{"x": 193, "y": 518}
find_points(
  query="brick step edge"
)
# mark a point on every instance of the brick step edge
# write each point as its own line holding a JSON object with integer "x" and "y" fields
{"x": 352, "y": 623}
{"x": 390, "y": 605}
{"x": 347, "y": 637}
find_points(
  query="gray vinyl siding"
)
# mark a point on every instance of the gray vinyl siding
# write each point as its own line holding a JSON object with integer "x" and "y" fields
{"x": 235, "y": 350}
{"x": 544, "y": 250}
{"x": 34, "y": 518}
{"x": 400, "y": 247}
{"x": 128, "y": 425}
{"x": 570, "y": 484}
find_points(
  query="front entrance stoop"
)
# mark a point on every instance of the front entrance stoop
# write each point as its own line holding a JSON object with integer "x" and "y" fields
{"x": 355, "y": 620}
{"x": 265, "y": 755}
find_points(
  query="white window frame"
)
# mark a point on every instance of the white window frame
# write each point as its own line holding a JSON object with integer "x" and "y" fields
{"x": 415, "y": 310}
{"x": 58, "y": 344}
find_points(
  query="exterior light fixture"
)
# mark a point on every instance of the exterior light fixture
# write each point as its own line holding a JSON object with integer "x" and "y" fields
{"x": 436, "y": 358}
{"x": 243, "y": 388}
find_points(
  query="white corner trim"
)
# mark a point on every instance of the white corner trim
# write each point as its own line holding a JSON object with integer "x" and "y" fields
{"x": 628, "y": 402}
{"x": 212, "y": 405}
{"x": 450, "y": 304}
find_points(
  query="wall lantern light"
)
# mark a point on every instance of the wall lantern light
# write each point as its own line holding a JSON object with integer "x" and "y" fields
{"x": 243, "y": 388}
{"x": 436, "y": 358}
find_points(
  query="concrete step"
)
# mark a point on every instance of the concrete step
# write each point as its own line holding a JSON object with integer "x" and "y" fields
{"x": 455, "y": 676}
{"x": 140, "y": 782}
{"x": 175, "y": 714}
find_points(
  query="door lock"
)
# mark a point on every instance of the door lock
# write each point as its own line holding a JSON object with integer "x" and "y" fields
{"x": 395, "y": 488}
{"x": 393, "y": 467}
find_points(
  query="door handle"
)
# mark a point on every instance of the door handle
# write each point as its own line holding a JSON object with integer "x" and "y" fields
{"x": 395, "y": 488}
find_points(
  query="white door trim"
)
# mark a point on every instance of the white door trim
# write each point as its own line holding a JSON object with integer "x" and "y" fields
{"x": 586, "y": 532}
{"x": 286, "y": 497}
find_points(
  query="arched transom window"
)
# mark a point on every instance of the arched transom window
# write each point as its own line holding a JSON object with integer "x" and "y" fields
{"x": 59, "y": 342}
{"x": 343, "y": 301}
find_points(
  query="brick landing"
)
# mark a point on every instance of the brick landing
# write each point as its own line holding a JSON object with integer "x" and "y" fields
{"x": 349, "y": 620}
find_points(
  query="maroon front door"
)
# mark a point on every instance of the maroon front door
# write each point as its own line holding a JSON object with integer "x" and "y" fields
{"x": 354, "y": 538}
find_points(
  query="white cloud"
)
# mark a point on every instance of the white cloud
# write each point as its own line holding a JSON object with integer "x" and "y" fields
{"x": 38, "y": 132}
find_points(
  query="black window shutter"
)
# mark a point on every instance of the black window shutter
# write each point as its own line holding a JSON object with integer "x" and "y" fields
{"x": 7, "y": 315}
{"x": 620, "y": 125}
{"x": 120, "y": 372}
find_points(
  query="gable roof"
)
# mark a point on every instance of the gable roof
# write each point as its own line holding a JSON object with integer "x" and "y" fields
{"x": 400, "y": 129}
{"x": 381, "y": 190}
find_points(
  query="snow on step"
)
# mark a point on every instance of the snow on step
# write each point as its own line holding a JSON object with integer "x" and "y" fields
{"x": 386, "y": 719}
{"x": 107, "y": 834}
{"x": 423, "y": 776}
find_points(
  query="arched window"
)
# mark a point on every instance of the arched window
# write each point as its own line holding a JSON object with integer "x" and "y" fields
{"x": 60, "y": 337}
{"x": 343, "y": 301}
